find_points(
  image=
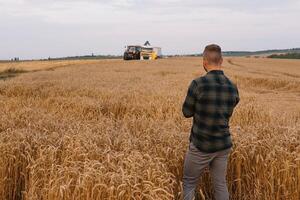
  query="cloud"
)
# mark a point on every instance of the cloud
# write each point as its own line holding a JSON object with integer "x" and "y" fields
{"x": 39, "y": 28}
{"x": 90, "y": 11}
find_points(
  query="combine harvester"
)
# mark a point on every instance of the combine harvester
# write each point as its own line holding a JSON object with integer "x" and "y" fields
{"x": 145, "y": 52}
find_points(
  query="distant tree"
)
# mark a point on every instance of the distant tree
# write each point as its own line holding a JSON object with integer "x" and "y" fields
{"x": 286, "y": 56}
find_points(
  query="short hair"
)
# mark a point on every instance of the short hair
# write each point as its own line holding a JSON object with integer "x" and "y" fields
{"x": 213, "y": 54}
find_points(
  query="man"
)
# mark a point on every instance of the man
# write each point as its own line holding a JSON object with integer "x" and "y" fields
{"x": 210, "y": 101}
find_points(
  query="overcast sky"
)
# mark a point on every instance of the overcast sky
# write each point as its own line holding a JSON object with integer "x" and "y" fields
{"x": 42, "y": 28}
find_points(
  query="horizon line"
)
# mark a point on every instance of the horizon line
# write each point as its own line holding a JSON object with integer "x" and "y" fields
{"x": 92, "y": 55}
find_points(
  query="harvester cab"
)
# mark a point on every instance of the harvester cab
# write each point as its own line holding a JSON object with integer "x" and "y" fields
{"x": 132, "y": 52}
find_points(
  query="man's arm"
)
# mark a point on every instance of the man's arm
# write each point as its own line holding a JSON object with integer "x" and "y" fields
{"x": 237, "y": 97}
{"x": 188, "y": 108}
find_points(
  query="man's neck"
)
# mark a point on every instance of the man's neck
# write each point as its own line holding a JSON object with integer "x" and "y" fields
{"x": 213, "y": 68}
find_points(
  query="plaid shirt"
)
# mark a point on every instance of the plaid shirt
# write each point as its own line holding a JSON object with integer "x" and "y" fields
{"x": 210, "y": 101}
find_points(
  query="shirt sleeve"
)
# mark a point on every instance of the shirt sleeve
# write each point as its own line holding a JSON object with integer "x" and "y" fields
{"x": 188, "y": 108}
{"x": 237, "y": 97}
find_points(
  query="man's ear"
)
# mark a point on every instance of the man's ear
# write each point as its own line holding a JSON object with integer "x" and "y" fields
{"x": 221, "y": 61}
{"x": 204, "y": 62}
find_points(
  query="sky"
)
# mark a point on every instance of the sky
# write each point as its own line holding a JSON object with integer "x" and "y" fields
{"x": 32, "y": 29}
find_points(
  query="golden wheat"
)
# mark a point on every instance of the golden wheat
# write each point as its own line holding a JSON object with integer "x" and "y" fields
{"x": 111, "y": 129}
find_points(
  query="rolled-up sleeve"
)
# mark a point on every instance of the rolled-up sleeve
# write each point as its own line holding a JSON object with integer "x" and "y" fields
{"x": 188, "y": 108}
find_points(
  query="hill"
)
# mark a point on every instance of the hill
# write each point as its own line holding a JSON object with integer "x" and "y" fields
{"x": 250, "y": 53}
{"x": 286, "y": 56}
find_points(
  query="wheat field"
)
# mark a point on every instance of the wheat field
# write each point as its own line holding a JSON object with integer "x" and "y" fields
{"x": 110, "y": 129}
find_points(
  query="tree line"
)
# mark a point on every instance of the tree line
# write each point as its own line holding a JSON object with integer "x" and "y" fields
{"x": 286, "y": 56}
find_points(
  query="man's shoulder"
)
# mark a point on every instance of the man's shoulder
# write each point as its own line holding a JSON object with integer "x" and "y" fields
{"x": 201, "y": 80}
{"x": 230, "y": 82}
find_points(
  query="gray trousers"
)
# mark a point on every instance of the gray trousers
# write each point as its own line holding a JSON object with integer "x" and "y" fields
{"x": 195, "y": 163}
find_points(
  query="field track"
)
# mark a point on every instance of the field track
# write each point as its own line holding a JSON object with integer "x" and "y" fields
{"x": 110, "y": 129}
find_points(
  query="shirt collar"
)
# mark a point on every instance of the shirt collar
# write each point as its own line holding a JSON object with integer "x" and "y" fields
{"x": 216, "y": 72}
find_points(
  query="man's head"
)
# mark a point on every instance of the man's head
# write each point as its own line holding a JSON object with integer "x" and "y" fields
{"x": 212, "y": 57}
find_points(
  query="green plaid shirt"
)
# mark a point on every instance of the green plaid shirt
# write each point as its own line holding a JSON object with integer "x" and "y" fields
{"x": 210, "y": 101}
